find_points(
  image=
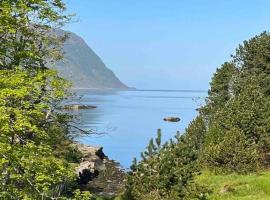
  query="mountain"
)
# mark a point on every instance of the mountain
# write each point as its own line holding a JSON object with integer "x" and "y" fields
{"x": 83, "y": 67}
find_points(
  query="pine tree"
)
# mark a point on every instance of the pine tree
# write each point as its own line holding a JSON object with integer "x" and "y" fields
{"x": 238, "y": 103}
{"x": 167, "y": 171}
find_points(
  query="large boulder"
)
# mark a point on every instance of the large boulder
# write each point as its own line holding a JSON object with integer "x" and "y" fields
{"x": 91, "y": 164}
{"x": 172, "y": 119}
{"x": 98, "y": 174}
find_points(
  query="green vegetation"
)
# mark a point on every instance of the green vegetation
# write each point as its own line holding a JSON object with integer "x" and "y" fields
{"x": 237, "y": 187}
{"x": 33, "y": 164}
{"x": 168, "y": 171}
{"x": 229, "y": 138}
{"x": 238, "y": 127}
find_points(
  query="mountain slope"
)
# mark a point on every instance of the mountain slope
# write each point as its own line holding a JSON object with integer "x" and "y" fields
{"x": 83, "y": 67}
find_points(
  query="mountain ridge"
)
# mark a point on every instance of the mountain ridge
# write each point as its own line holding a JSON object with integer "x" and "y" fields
{"x": 83, "y": 67}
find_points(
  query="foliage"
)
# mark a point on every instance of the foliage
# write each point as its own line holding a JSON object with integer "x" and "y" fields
{"x": 252, "y": 58}
{"x": 231, "y": 133}
{"x": 78, "y": 195}
{"x": 220, "y": 88}
{"x": 237, "y": 111}
{"x": 26, "y": 33}
{"x": 33, "y": 164}
{"x": 166, "y": 171}
{"x": 239, "y": 132}
{"x": 237, "y": 187}
{"x": 28, "y": 165}
{"x": 234, "y": 152}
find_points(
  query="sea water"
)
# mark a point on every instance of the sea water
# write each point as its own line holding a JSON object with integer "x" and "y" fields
{"x": 125, "y": 121}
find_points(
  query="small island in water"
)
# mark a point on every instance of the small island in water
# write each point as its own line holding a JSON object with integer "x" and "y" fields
{"x": 107, "y": 141}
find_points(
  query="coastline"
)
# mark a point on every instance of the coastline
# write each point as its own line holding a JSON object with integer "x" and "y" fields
{"x": 119, "y": 89}
{"x": 97, "y": 173}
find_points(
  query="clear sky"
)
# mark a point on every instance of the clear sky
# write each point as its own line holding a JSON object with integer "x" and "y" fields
{"x": 167, "y": 44}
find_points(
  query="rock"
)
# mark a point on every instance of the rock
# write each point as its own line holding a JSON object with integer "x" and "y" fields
{"x": 97, "y": 174}
{"x": 77, "y": 107}
{"x": 226, "y": 189}
{"x": 109, "y": 182}
{"x": 91, "y": 163}
{"x": 172, "y": 119}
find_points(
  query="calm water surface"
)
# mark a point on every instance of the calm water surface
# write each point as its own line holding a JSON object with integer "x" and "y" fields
{"x": 131, "y": 118}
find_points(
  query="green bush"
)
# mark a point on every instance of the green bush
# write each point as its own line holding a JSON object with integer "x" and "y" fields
{"x": 234, "y": 153}
{"x": 166, "y": 171}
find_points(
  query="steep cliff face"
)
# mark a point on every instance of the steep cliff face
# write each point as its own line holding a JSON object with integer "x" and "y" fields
{"x": 84, "y": 67}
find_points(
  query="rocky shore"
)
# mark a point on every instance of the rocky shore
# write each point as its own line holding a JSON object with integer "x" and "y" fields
{"x": 98, "y": 174}
{"x": 78, "y": 107}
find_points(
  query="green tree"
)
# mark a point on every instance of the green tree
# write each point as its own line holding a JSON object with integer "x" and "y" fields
{"x": 32, "y": 164}
{"x": 252, "y": 57}
{"x": 167, "y": 171}
{"x": 247, "y": 116}
{"x": 27, "y": 38}
{"x": 221, "y": 89}
{"x": 238, "y": 103}
{"x": 28, "y": 165}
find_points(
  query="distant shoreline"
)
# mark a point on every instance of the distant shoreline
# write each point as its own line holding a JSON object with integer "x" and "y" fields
{"x": 124, "y": 89}
{"x": 146, "y": 90}
{"x": 171, "y": 90}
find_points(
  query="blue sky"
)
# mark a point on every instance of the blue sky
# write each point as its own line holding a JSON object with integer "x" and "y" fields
{"x": 167, "y": 44}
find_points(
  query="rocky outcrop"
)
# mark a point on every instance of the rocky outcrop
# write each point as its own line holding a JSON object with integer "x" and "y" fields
{"x": 172, "y": 119}
{"x": 77, "y": 107}
{"x": 91, "y": 163}
{"x": 98, "y": 174}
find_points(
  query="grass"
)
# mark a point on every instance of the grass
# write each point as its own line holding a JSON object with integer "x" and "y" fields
{"x": 254, "y": 186}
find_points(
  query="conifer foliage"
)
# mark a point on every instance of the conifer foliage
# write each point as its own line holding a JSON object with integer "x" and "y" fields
{"x": 167, "y": 171}
{"x": 237, "y": 120}
{"x": 230, "y": 135}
